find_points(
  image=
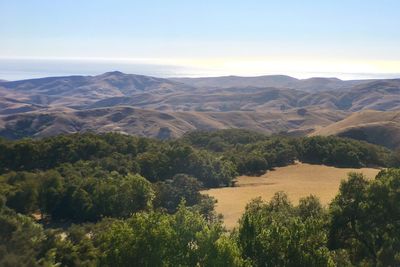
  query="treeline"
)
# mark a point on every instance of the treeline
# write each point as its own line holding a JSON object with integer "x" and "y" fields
{"x": 254, "y": 153}
{"x": 197, "y": 153}
{"x": 359, "y": 228}
{"x": 153, "y": 159}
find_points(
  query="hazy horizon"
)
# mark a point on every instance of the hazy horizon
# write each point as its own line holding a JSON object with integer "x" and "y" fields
{"x": 21, "y": 69}
{"x": 345, "y": 39}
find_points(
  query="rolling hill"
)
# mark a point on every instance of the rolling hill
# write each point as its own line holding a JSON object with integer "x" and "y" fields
{"x": 162, "y": 125}
{"x": 77, "y": 91}
{"x": 280, "y": 81}
{"x": 377, "y": 95}
{"x": 377, "y": 127}
{"x": 116, "y": 88}
{"x": 158, "y": 107}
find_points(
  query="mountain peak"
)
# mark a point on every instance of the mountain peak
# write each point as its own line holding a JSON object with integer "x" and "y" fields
{"x": 113, "y": 73}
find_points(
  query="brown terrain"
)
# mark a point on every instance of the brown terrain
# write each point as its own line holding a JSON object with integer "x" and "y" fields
{"x": 159, "y": 124}
{"x": 378, "y": 127}
{"x": 167, "y": 108}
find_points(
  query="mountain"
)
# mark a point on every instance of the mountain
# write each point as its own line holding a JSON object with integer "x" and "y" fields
{"x": 237, "y": 81}
{"x": 377, "y": 127}
{"x": 158, "y": 107}
{"x": 223, "y": 100}
{"x": 76, "y": 91}
{"x": 12, "y": 106}
{"x": 377, "y": 95}
{"x": 159, "y": 124}
{"x": 116, "y": 88}
{"x": 280, "y": 81}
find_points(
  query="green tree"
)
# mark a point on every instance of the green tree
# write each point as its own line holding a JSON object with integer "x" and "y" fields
{"x": 22, "y": 241}
{"x": 365, "y": 219}
{"x": 170, "y": 192}
{"x": 273, "y": 234}
{"x": 160, "y": 239}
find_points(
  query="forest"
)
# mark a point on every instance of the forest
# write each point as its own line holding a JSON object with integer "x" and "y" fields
{"x": 117, "y": 200}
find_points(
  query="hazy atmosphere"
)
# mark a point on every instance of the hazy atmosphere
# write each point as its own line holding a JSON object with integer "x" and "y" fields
{"x": 346, "y": 39}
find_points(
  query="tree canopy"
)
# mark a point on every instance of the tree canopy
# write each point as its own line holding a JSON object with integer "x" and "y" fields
{"x": 116, "y": 200}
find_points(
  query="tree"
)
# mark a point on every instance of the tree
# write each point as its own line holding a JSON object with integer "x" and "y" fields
{"x": 153, "y": 166}
{"x": 170, "y": 192}
{"x": 254, "y": 163}
{"x": 22, "y": 241}
{"x": 160, "y": 239}
{"x": 211, "y": 171}
{"x": 365, "y": 219}
{"x": 90, "y": 199}
{"x": 273, "y": 234}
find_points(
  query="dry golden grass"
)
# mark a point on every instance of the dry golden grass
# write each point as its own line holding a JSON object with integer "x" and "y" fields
{"x": 297, "y": 181}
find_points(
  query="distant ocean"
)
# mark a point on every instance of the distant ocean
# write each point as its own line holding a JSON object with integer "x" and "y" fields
{"x": 18, "y": 69}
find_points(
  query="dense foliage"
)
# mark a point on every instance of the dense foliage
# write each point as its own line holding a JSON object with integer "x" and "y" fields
{"x": 157, "y": 239}
{"x": 360, "y": 228}
{"x": 153, "y": 159}
{"x": 117, "y": 200}
{"x": 254, "y": 153}
{"x": 365, "y": 219}
{"x": 279, "y": 234}
{"x": 343, "y": 152}
{"x": 153, "y": 238}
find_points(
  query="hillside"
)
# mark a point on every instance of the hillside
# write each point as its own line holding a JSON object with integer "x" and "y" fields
{"x": 382, "y": 95}
{"x": 159, "y": 124}
{"x": 280, "y": 81}
{"x": 266, "y": 93}
{"x": 158, "y": 107}
{"x": 382, "y": 128}
{"x": 75, "y": 91}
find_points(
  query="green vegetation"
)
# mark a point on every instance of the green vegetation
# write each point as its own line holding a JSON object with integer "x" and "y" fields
{"x": 116, "y": 200}
{"x": 365, "y": 219}
{"x": 343, "y": 152}
{"x": 279, "y": 234}
{"x": 254, "y": 153}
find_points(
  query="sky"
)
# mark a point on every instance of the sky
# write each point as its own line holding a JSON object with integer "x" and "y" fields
{"x": 345, "y": 38}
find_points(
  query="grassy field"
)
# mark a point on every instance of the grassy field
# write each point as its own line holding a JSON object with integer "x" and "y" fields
{"x": 297, "y": 181}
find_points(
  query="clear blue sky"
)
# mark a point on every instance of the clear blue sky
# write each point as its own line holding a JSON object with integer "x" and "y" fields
{"x": 357, "y": 36}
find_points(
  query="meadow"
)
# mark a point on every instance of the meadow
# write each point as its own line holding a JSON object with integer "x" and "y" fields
{"x": 297, "y": 180}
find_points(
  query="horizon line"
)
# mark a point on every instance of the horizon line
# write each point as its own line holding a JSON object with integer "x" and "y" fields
{"x": 218, "y": 76}
{"x": 22, "y": 68}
